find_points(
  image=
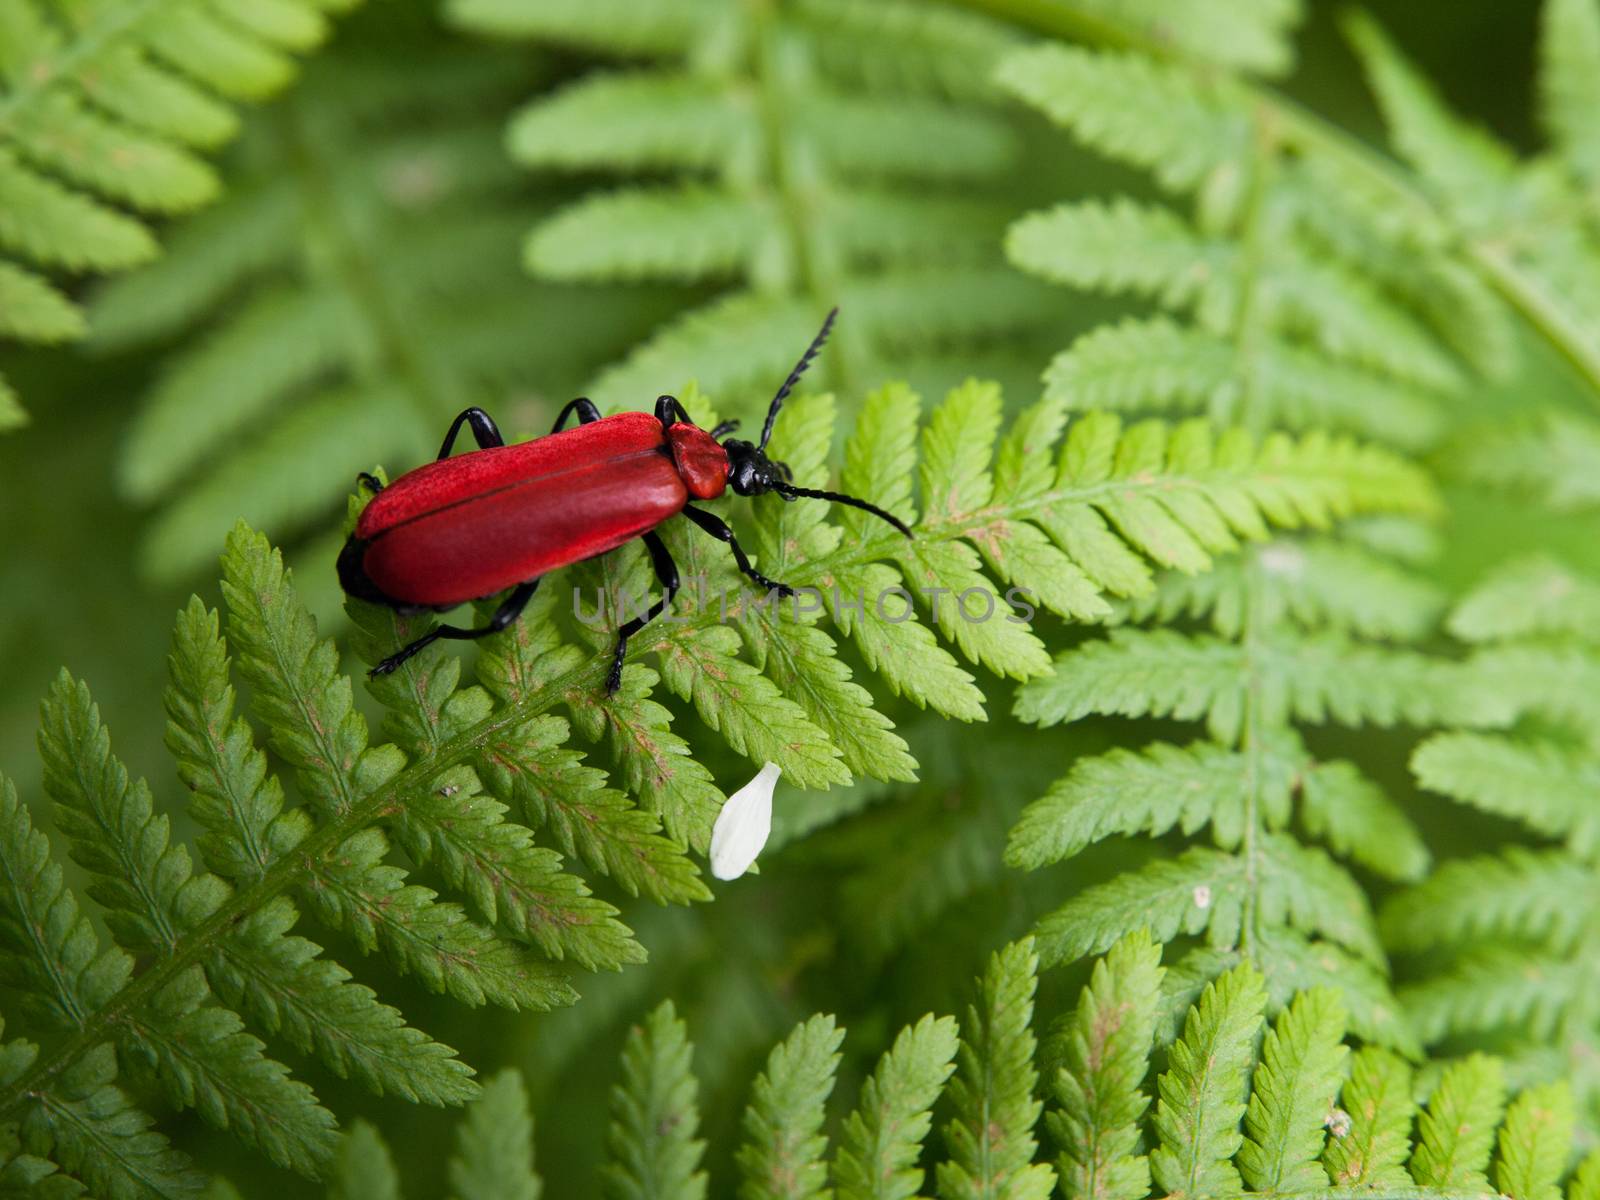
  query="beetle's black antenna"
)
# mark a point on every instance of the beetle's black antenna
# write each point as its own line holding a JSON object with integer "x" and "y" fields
{"x": 794, "y": 378}
{"x": 790, "y": 492}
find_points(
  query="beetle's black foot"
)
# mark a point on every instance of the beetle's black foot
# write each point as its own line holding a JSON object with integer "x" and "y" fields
{"x": 772, "y": 585}
{"x": 370, "y": 482}
{"x": 406, "y": 653}
{"x": 614, "y": 676}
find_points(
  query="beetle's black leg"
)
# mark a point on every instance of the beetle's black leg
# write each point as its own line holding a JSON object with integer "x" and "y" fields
{"x": 718, "y": 529}
{"x": 370, "y": 482}
{"x": 483, "y": 428}
{"x": 509, "y": 610}
{"x": 725, "y": 428}
{"x": 585, "y": 409}
{"x": 669, "y": 411}
{"x": 667, "y": 574}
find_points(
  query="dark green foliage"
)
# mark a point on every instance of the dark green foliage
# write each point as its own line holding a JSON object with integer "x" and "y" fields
{"x": 990, "y": 1140}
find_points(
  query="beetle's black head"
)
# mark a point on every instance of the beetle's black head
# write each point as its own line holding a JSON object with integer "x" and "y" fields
{"x": 752, "y": 473}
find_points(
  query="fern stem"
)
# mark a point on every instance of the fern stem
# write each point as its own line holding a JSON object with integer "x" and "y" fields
{"x": 1306, "y": 130}
{"x": 1555, "y": 324}
{"x": 1247, "y": 328}
{"x": 1251, "y": 744}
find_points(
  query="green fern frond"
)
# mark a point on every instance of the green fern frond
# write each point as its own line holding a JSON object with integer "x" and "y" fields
{"x": 494, "y": 1156}
{"x": 1290, "y": 649}
{"x": 1459, "y": 161}
{"x": 1310, "y": 584}
{"x": 1534, "y": 1143}
{"x": 1289, "y": 323}
{"x": 1584, "y": 1181}
{"x": 937, "y": 49}
{"x": 1202, "y": 1091}
{"x": 365, "y": 1169}
{"x": 1546, "y": 787}
{"x": 882, "y": 1138}
{"x": 1159, "y": 673}
{"x": 1542, "y": 896}
{"x": 1489, "y": 989}
{"x": 990, "y": 1140}
{"x": 1250, "y": 35}
{"x": 1546, "y": 681}
{"x": 217, "y": 952}
{"x": 1455, "y": 1136}
{"x": 611, "y": 26}
{"x": 1358, "y": 820}
{"x": 1569, "y": 50}
{"x": 1200, "y": 890}
{"x": 494, "y": 1145}
{"x": 782, "y": 1156}
{"x": 149, "y": 894}
{"x": 1143, "y": 112}
{"x": 653, "y": 1147}
{"x": 798, "y": 178}
{"x": 1370, "y": 1131}
{"x": 1123, "y": 792}
{"x": 1291, "y": 1095}
{"x": 1105, "y": 1058}
{"x": 1208, "y": 891}
{"x": 89, "y": 1128}
{"x": 1517, "y": 222}
{"x": 1474, "y": 232}
{"x": 52, "y": 953}
{"x": 107, "y": 109}
{"x": 1155, "y": 364}
{"x": 1163, "y": 787}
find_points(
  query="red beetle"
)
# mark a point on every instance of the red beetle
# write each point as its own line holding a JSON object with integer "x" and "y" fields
{"x": 502, "y": 516}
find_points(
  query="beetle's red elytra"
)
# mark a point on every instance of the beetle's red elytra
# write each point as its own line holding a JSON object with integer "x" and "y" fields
{"x": 501, "y": 517}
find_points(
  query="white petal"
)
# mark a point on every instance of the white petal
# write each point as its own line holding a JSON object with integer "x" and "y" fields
{"x": 743, "y": 825}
